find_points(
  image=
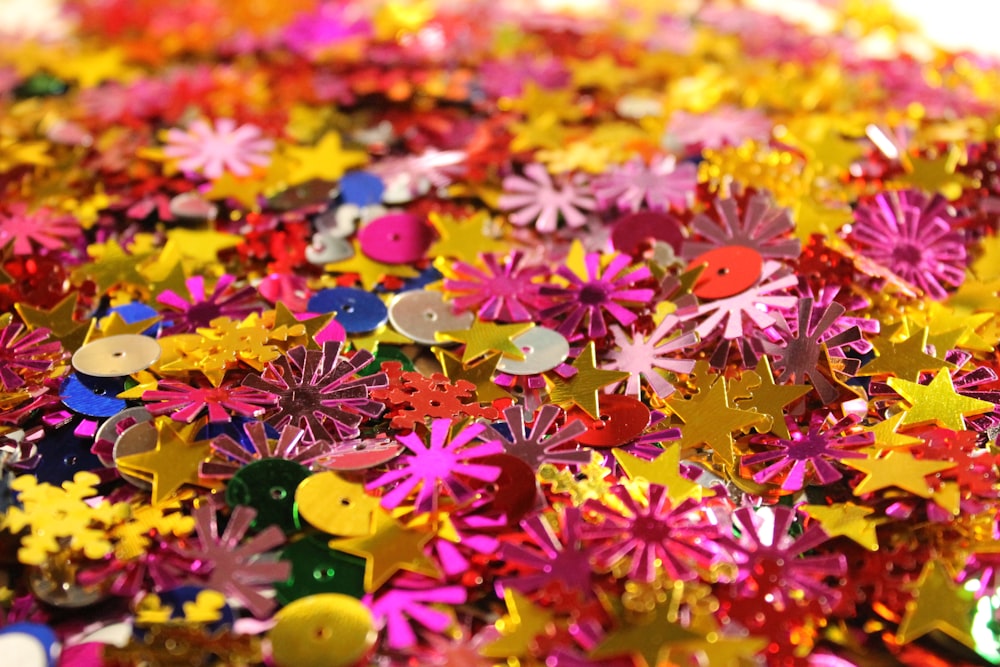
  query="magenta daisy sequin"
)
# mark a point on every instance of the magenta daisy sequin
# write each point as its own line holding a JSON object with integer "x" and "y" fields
{"x": 184, "y": 402}
{"x": 225, "y": 300}
{"x": 43, "y": 229}
{"x": 500, "y": 287}
{"x": 763, "y": 227}
{"x": 536, "y": 199}
{"x": 914, "y": 237}
{"x": 213, "y": 151}
{"x": 584, "y": 304}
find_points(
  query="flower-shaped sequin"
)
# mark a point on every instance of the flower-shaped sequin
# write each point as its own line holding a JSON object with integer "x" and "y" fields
{"x": 225, "y": 300}
{"x": 43, "y": 228}
{"x": 500, "y": 287}
{"x": 213, "y": 151}
{"x": 641, "y": 355}
{"x": 536, "y": 199}
{"x": 440, "y": 464}
{"x": 321, "y": 391}
{"x": 25, "y": 356}
{"x": 185, "y": 402}
{"x": 661, "y": 184}
{"x": 605, "y": 290}
{"x": 913, "y": 237}
{"x": 229, "y": 455}
{"x": 763, "y": 227}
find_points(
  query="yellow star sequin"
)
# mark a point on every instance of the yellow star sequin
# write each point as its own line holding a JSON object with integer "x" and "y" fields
{"x": 710, "y": 420}
{"x": 663, "y": 470}
{"x": 937, "y": 402}
{"x": 112, "y": 266}
{"x": 480, "y": 374}
{"x": 463, "y": 238}
{"x": 897, "y": 468}
{"x": 647, "y": 640}
{"x": 243, "y": 190}
{"x": 175, "y": 460}
{"x": 486, "y": 337}
{"x": 326, "y": 161}
{"x": 904, "y": 360}
{"x": 771, "y": 399}
{"x": 390, "y": 547}
{"x": 938, "y": 604}
{"x": 313, "y": 325}
{"x": 58, "y": 320}
{"x": 886, "y": 434}
{"x": 582, "y": 389}
{"x": 368, "y": 270}
{"x": 524, "y": 621}
{"x": 847, "y": 520}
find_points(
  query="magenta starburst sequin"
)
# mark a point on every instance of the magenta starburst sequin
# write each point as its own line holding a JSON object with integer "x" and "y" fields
{"x": 539, "y": 446}
{"x": 414, "y": 600}
{"x": 438, "y": 465}
{"x": 25, "y": 356}
{"x": 771, "y": 562}
{"x": 43, "y": 228}
{"x": 913, "y": 237}
{"x": 653, "y": 534}
{"x": 584, "y": 302}
{"x": 321, "y": 391}
{"x": 184, "y": 402}
{"x": 501, "y": 288}
{"x": 224, "y": 301}
{"x": 806, "y": 456}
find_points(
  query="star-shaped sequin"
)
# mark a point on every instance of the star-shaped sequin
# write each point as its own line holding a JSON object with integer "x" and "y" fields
{"x": 486, "y": 337}
{"x": 897, "y": 468}
{"x": 938, "y": 402}
{"x": 938, "y": 604}
{"x": 582, "y": 388}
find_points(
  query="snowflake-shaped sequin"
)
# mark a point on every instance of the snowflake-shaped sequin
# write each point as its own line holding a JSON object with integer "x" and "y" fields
{"x": 41, "y": 229}
{"x": 224, "y": 564}
{"x": 440, "y": 464}
{"x": 229, "y": 456}
{"x": 605, "y": 290}
{"x": 321, "y": 391}
{"x": 536, "y": 199}
{"x": 26, "y": 356}
{"x": 771, "y": 561}
{"x": 763, "y": 227}
{"x": 913, "y": 237}
{"x": 412, "y": 397}
{"x": 551, "y": 560}
{"x": 213, "y": 151}
{"x": 796, "y": 352}
{"x": 414, "y": 600}
{"x": 753, "y": 304}
{"x": 641, "y": 355}
{"x": 651, "y": 533}
{"x": 184, "y": 402}
{"x": 226, "y": 300}
{"x": 539, "y": 446}
{"x": 500, "y": 287}
{"x": 661, "y": 184}
{"x": 804, "y": 458}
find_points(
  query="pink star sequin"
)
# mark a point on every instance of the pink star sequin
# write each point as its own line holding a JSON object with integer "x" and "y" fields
{"x": 213, "y": 151}
{"x": 536, "y": 199}
{"x": 914, "y": 237}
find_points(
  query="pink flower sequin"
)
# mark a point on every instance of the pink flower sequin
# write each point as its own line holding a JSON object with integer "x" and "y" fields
{"x": 536, "y": 199}
{"x": 914, "y": 237}
{"x": 213, "y": 151}
{"x": 660, "y": 185}
{"x": 44, "y": 229}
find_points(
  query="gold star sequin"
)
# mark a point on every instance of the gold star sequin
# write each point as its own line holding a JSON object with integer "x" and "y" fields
{"x": 937, "y": 402}
{"x": 112, "y": 266}
{"x": 906, "y": 359}
{"x": 175, "y": 460}
{"x": 663, "y": 470}
{"x": 524, "y": 621}
{"x": 368, "y": 270}
{"x": 480, "y": 374}
{"x": 710, "y": 420}
{"x": 486, "y": 337}
{"x": 243, "y": 190}
{"x": 938, "y": 604}
{"x": 648, "y": 640}
{"x": 390, "y": 547}
{"x": 897, "y": 468}
{"x": 58, "y": 320}
{"x": 771, "y": 399}
{"x": 326, "y": 161}
{"x": 846, "y": 520}
{"x": 313, "y": 325}
{"x": 463, "y": 238}
{"x": 582, "y": 389}
{"x": 886, "y": 434}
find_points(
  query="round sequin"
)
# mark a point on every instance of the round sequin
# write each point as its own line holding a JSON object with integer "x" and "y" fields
{"x": 338, "y": 507}
{"x": 268, "y": 486}
{"x": 93, "y": 396}
{"x": 397, "y": 238}
{"x": 622, "y": 418}
{"x": 728, "y": 271}
{"x": 543, "y": 349}
{"x": 328, "y": 249}
{"x": 109, "y": 429}
{"x": 136, "y": 439}
{"x": 357, "y": 311}
{"x": 630, "y": 232}
{"x": 324, "y": 630}
{"x": 418, "y": 314}
{"x": 116, "y": 356}
{"x": 316, "y": 568}
{"x": 29, "y": 645}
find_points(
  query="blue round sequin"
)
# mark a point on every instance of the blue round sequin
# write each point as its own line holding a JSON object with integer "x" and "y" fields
{"x": 361, "y": 188}
{"x": 357, "y": 311}
{"x": 93, "y": 396}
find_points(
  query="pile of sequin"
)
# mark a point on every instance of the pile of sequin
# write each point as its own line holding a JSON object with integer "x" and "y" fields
{"x": 402, "y": 333}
